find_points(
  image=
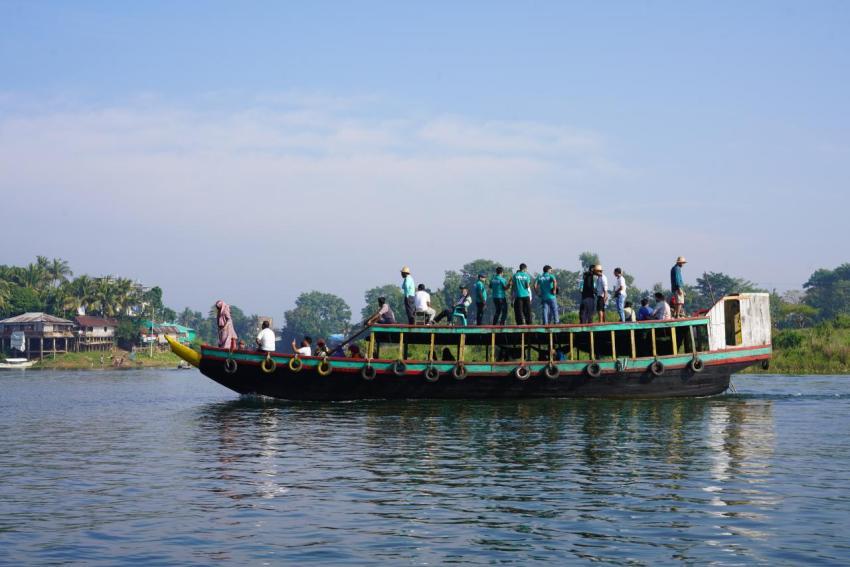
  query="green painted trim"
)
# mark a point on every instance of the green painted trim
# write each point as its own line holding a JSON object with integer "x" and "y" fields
{"x": 506, "y": 368}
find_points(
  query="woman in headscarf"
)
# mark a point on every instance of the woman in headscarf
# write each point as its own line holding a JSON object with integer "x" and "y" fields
{"x": 226, "y": 333}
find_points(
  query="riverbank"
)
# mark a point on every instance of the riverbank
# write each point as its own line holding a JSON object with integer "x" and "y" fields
{"x": 819, "y": 350}
{"x": 108, "y": 360}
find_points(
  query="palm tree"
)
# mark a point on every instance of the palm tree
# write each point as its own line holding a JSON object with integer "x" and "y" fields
{"x": 5, "y": 293}
{"x": 59, "y": 271}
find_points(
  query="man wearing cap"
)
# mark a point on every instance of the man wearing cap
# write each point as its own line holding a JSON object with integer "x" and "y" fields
{"x": 480, "y": 298}
{"x": 677, "y": 286}
{"x": 547, "y": 286}
{"x": 601, "y": 292}
{"x": 408, "y": 290}
{"x": 521, "y": 284}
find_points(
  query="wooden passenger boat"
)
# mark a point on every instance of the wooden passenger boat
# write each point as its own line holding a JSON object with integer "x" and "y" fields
{"x": 693, "y": 356}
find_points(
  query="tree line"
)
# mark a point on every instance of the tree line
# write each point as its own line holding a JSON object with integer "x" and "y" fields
{"x": 48, "y": 285}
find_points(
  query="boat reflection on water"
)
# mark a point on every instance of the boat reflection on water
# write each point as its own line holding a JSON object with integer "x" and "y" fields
{"x": 596, "y": 447}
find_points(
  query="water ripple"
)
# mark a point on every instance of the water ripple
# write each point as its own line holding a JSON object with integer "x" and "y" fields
{"x": 165, "y": 468}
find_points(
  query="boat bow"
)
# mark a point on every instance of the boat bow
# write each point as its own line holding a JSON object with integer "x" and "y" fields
{"x": 191, "y": 356}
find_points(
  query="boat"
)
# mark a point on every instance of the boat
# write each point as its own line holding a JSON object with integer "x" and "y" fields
{"x": 693, "y": 356}
{"x": 15, "y": 363}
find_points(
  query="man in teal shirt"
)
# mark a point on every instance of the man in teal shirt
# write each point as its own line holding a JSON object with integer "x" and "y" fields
{"x": 547, "y": 286}
{"x": 408, "y": 290}
{"x": 498, "y": 285}
{"x": 521, "y": 284}
{"x": 480, "y": 298}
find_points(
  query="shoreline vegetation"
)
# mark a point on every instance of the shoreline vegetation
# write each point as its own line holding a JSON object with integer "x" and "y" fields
{"x": 108, "y": 360}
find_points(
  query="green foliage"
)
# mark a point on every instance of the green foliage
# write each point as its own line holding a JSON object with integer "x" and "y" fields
{"x": 23, "y": 300}
{"x": 788, "y": 340}
{"x": 317, "y": 314}
{"x": 588, "y": 259}
{"x": 828, "y": 291}
{"x": 127, "y": 333}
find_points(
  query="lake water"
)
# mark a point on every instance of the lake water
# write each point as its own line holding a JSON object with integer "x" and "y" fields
{"x": 168, "y": 468}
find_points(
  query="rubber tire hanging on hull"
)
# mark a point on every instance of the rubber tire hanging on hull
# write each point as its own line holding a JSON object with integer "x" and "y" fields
{"x": 368, "y": 372}
{"x": 593, "y": 370}
{"x": 432, "y": 373}
{"x": 522, "y": 373}
{"x": 459, "y": 371}
{"x": 551, "y": 371}
{"x": 656, "y": 368}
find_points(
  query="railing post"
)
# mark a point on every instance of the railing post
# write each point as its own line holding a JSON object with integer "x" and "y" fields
{"x": 613, "y": 346}
{"x": 401, "y": 346}
{"x": 492, "y": 347}
{"x": 654, "y": 350}
{"x": 551, "y": 347}
{"x": 371, "y": 350}
{"x": 673, "y": 338}
{"x": 572, "y": 348}
{"x": 522, "y": 347}
{"x": 592, "y": 347}
{"x": 634, "y": 347}
{"x": 431, "y": 351}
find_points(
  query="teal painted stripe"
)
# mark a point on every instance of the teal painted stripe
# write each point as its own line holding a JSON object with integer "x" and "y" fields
{"x": 483, "y": 367}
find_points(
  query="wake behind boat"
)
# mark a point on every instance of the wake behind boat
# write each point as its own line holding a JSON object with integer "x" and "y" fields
{"x": 693, "y": 356}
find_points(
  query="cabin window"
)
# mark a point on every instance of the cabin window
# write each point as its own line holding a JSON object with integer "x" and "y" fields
{"x": 732, "y": 309}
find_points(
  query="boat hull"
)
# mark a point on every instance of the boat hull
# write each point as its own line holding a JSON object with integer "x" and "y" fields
{"x": 636, "y": 383}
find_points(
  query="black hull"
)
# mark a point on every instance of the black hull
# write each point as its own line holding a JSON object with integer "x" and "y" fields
{"x": 308, "y": 385}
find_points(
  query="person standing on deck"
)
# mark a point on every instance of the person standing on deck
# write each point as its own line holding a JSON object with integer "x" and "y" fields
{"x": 408, "y": 289}
{"x": 601, "y": 292}
{"x": 620, "y": 293}
{"x": 521, "y": 284}
{"x": 226, "y": 333}
{"x": 547, "y": 285}
{"x": 677, "y": 286}
{"x": 265, "y": 339}
{"x": 498, "y": 284}
{"x": 480, "y": 298}
{"x": 588, "y": 297}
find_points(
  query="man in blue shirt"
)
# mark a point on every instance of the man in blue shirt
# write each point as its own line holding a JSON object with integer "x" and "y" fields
{"x": 645, "y": 311}
{"x": 498, "y": 285}
{"x": 408, "y": 290}
{"x": 677, "y": 286}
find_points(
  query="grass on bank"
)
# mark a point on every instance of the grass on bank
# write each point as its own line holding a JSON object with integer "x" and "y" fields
{"x": 824, "y": 349}
{"x": 107, "y": 360}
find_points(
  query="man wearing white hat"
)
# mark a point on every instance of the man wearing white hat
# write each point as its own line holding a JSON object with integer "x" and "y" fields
{"x": 408, "y": 289}
{"x": 677, "y": 286}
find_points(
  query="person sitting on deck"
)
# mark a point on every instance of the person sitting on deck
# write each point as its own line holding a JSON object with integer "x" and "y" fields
{"x": 662, "y": 309}
{"x": 461, "y": 305}
{"x": 447, "y": 355}
{"x": 645, "y": 311}
{"x": 354, "y": 352}
{"x": 422, "y": 302}
{"x": 265, "y": 339}
{"x": 322, "y": 348}
{"x": 384, "y": 315}
{"x": 629, "y": 312}
{"x": 304, "y": 349}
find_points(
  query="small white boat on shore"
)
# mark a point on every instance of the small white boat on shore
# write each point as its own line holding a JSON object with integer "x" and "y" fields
{"x": 15, "y": 363}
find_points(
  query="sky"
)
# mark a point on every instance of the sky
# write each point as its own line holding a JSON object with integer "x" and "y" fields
{"x": 251, "y": 151}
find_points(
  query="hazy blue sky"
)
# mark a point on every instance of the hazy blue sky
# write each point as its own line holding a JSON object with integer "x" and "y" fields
{"x": 252, "y": 151}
